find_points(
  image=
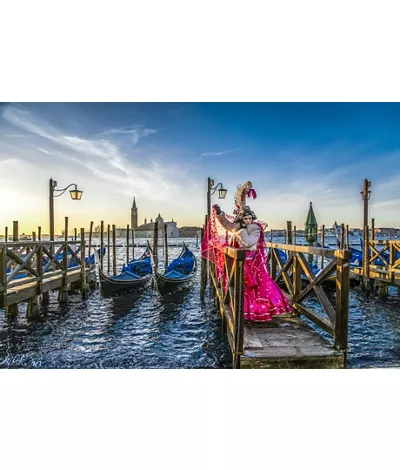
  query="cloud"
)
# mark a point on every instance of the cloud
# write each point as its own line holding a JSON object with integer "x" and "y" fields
{"x": 135, "y": 132}
{"x": 215, "y": 154}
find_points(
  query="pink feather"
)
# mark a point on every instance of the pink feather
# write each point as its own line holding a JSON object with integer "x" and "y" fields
{"x": 252, "y": 194}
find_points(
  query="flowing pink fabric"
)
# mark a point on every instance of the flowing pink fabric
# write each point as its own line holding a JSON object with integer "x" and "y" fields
{"x": 262, "y": 296}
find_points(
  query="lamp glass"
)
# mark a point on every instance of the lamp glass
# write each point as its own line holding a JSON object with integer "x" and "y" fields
{"x": 222, "y": 193}
{"x": 76, "y": 194}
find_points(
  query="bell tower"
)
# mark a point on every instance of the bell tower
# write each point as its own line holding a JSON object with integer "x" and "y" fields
{"x": 134, "y": 215}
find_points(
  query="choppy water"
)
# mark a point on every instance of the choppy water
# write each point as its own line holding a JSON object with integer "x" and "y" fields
{"x": 147, "y": 331}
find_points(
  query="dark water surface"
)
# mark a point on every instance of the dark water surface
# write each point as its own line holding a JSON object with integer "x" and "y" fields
{"x": 147, "y": 331}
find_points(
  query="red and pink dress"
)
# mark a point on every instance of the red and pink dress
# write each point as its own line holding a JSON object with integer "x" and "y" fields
{"x": 262, "y": 296}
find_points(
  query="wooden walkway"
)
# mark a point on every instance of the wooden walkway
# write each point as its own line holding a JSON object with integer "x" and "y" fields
{"x": 287, "y": 341}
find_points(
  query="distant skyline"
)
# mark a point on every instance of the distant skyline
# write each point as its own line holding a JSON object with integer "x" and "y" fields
{"x": 162, "y": 154}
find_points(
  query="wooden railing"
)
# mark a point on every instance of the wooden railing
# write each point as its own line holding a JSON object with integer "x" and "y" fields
{"x": 334, "y": 319}
{"x": 24, "y": 262}
{"x": 229, "y": 290}
{"x": 387, "y": 253}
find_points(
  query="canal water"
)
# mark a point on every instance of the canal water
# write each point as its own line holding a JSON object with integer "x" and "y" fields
{"x": 147, "y": 331}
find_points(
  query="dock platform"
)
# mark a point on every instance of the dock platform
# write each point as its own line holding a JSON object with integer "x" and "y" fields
{"x": 287, "y": 342}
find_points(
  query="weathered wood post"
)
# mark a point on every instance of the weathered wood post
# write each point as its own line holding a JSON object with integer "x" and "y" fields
{"x": 285, "y": 236}
{"x": 372, "y": 228}
{"x": 63, "y": 292}
{"x": 32, "y": 309}
{"x": 155, "y": 242}
{"x": 204, "y": 263}
{"x": 108, "y": 248}
{"x": 90, "y": 240}
{"x": 342, "y": 236}
{"x": 289, "y": 232}
{"x": 127, "y": 244}
{"x": 45, "y": 295}
{"x": 3, "y": 276}
{"x": 114, "y": 240}
{"x": 133, "y": 243}
{"x": 75, "y": 234}
{"x": 347, "y": 238}
{"x": 166, "y": 244}
{"x": 238, "y": 310}
{"x": 101, "y": 243}
{"x": 366, "y": 194}
{"x": 342, "y": 300}
{"x": 294, "y": 235}
{"x": 13, "y": 309}
{"x": 84, "y": 283}
{"x": 40, "y": 234}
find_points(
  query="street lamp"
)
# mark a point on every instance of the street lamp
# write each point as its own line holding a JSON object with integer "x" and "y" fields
{"x": 211, "y": 190}
{"x": 75, "y": 194}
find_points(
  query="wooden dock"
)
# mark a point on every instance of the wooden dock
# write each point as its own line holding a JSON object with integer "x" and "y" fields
{"x": 287, "y": 341}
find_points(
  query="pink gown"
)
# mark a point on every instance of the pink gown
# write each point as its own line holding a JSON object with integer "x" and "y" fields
{"x": 262, "y": 296}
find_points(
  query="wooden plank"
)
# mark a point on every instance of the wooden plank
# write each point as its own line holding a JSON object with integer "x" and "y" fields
{"x": 235, "y": 253}
{"x": 251, "y": 339}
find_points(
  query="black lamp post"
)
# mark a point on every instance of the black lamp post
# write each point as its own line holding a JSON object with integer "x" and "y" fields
{"x": 75, "y": 194}
{"x": 211, "y": 190}
{"x": 365, "y": 196}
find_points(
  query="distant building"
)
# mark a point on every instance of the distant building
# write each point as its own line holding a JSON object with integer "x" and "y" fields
{"x": 190, "y": 232}
{"x": 134, "y": 215}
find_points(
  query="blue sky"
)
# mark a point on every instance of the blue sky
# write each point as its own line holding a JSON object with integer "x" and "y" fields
{"x": 162, "y": 153}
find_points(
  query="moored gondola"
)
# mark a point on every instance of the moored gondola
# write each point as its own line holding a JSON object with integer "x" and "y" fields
{"x": 177, "y": 274}
{"x": 134, "y": 276}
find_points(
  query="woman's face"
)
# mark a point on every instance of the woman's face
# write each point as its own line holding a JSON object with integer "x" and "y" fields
{"x": 247, "y": 220}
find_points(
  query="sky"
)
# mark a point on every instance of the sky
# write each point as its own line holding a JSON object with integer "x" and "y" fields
{"x": 162, "y": 154}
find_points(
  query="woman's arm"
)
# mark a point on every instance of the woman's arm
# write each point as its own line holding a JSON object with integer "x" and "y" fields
{"x": 230, "y": 226}
{"x": 249, "y": 237}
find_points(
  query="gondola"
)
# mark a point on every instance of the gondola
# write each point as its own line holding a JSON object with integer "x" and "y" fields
{"x": 177, "y": 274}
{"x": 134, "y": 276}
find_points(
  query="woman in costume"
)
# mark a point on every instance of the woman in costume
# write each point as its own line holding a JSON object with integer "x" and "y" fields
{"x": 262, "y": 296}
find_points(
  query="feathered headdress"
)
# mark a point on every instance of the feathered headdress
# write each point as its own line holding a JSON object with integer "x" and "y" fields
{"x": 245, "y": 190}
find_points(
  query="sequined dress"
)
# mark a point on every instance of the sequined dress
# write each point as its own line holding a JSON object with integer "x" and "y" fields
{"x": 262, "y": 296}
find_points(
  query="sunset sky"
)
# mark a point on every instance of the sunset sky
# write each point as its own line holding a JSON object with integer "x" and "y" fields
{"x": 162, "y": 153}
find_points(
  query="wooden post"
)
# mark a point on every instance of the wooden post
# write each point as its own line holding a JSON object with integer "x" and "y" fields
{"x": 101, "y": 243}
{"x": 114, "y": 250}
{"x": 366, "y": 285}
{"x": 296, "y": 277}
{"x": 347, "y": 238}
{"x": 63, "y": 292}
{"x": 285, "y": 232}
{"x": 133, "y": 243}
{"x": 3, "y": 275}
{"x": 5, "y": 234}
{"x": 155, "y": 242}
{"x": 40, "y": 233}
{"x": 166, "y": 244}
{"x": 271, "y": 236}
{"x": 342, "y": 236}
{"x": 84, "y": 285}
{"x": 323, "y": 245}
{"x": 289, "y": 232}
{"x": 204, "y": 264}
{"x": 273, "y": 264}
{"x": 342, "y": 300}
{"x": 238, "y": 314}
{"x": 372, "y": 229}
{"x": 108, "y": 248}
{"x": 15, "y": 231}
{"x": 33, "y": 236}
{"x": 90, "y": 240}
{"x": 75, "y": 234}
{"x": 127, "y": 244}
{"x": 294, "y": 235}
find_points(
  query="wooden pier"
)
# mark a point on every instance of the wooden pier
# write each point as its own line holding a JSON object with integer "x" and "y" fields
{"x": 287, "y": 341}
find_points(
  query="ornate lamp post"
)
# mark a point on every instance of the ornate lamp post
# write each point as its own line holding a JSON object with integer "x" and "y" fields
{"x": 311, "y": 230}
{"x": 211, "y": 190}
{"x": 365, "y": 196}
{"x": 75, "y": 194}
